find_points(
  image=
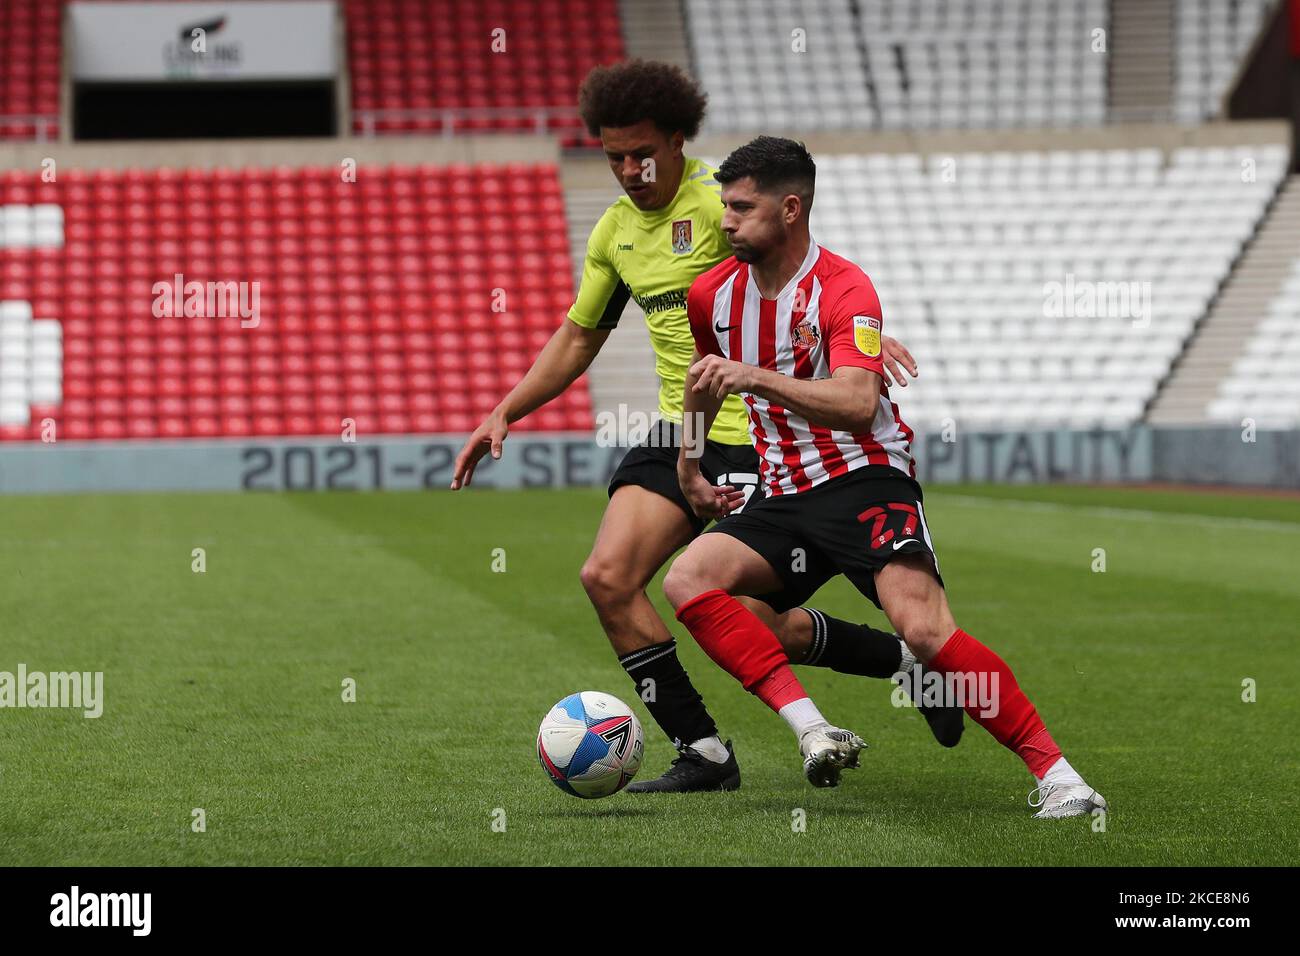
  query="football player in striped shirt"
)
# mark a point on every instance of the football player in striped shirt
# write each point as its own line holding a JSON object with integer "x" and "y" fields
{"x": 795, "y": 331}
{"x": 649, "y": 246}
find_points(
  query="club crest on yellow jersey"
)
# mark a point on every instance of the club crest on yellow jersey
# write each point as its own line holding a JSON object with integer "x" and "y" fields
{"x": 682, "y": 237}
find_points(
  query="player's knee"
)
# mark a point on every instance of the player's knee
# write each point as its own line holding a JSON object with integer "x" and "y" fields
{"x": 604, "y": 583}
{"x": 924, "y": 636}
{"x": 686, "y": 578}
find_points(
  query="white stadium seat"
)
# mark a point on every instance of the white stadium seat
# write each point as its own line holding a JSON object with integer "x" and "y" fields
{"x": 966, "y": 271}
{"x": 900, "y": 64}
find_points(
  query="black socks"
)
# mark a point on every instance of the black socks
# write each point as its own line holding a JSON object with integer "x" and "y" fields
{"x": 668, "y": 694}
{"x": 852, "y": 648}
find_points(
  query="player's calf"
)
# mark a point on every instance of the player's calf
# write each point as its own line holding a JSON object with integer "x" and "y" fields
{"x": 815, "y": 639}
{"x": 979, "y": 680}
{"x": 747, "y": 649}
{"x": 614, "y": 577}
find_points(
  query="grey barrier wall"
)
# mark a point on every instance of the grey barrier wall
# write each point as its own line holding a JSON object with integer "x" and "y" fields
{"x": 310, "y": 464}
{"x": 576, "y": 459}
{"x": 1227, "y": 456}
{"x": 1035, "y": 457}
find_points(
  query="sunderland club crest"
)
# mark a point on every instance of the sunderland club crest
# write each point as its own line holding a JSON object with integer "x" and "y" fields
{"x": 805, "y": 335}
{"x": 681, "y": 236}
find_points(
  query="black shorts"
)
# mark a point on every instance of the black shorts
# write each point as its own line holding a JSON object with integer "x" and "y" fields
{"x": 853, "y": 525}
{"x": 653, "y": 465}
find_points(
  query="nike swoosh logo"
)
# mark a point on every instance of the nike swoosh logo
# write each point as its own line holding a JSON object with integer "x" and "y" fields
{"x": 724, "y": 328}
{"x": 899, "y": 544}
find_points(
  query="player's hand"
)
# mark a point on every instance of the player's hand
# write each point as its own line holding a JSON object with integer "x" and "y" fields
{"x": 707, "y": 499}
{"x": 487, "y": 437}
{"x": 721, "y": 377}
{"x": 895, "y": 355}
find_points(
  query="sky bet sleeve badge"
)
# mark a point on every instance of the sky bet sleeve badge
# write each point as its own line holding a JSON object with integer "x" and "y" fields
{"x": 866, "y": 334}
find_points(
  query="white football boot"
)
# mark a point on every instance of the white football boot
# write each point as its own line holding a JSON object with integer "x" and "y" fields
{"x": 1060, "y": 800}
{"x": 826, "y": 751}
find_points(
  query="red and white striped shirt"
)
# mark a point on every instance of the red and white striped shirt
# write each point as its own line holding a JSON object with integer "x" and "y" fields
{"x": 827, "y": 316}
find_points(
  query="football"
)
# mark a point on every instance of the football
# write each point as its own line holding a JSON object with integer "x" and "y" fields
{"x": 590, "y": 744}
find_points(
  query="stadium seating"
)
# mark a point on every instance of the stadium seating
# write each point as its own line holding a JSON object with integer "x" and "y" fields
{"x": 432, "y": 61}
{"x": 1264, "y": 384}
{"x": 428, "y": 55}
{"x": 965, "y": 251}
{"x": 409, "y": 300}
{"x": 899, "y": 64}
{"x": 31, "y": 364}
{"x": 1211, "y": 39}
{"x": 30, "y": 60}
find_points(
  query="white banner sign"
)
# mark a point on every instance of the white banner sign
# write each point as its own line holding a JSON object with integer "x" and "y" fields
{"x": 151, "y": 42}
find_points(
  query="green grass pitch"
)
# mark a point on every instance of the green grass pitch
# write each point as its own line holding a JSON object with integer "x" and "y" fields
{"x": 223, "y": 689}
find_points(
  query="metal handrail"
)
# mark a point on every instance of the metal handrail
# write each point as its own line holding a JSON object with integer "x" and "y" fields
{"x": 446, "y": 117}
{"x": 46, "y": 124}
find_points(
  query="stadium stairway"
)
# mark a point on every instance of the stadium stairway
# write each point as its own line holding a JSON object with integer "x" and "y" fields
{"x": 1212, "y": 39}
{"x": 1234, "y": 315}
{"x": 623, "y": 374}
{"x": 1141, "y": 60}
{"x": 655, "y": 30}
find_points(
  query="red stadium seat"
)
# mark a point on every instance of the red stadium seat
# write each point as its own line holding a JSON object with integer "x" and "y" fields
{"x": 380, "y": 326}
{"x": 411, "y": 57}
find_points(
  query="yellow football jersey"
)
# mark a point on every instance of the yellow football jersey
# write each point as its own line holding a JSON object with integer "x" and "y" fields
{"x": 653, "y": 257}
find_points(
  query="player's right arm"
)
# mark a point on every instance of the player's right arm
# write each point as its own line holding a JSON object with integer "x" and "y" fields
{"x": 699, "y": 409}
{"x": 601, "y": 298}
{"x": 563, "y": 358}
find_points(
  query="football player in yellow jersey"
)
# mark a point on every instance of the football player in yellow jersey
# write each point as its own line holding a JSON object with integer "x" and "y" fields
{"x": 650, "y": 245}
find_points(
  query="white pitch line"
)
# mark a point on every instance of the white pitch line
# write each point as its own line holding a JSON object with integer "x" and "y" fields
{"x": 1136, "y": 514}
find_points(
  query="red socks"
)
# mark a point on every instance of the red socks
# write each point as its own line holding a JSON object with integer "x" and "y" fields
{"x": 746, "y": 648}
{"x": 1015, "y": 723}
{"x": 743, "y": 646}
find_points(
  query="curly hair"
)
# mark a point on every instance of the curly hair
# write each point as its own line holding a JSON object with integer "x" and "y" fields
{"x": 625, "y": 93}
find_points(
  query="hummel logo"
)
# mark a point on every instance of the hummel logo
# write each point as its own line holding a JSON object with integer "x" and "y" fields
{"x": 724, "y": 328}
{"x": 625, "y": 247}
{"x": 899, "y": 544}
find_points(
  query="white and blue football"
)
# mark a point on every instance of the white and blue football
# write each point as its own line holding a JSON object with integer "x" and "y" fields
{"x": 590, "y": 744}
